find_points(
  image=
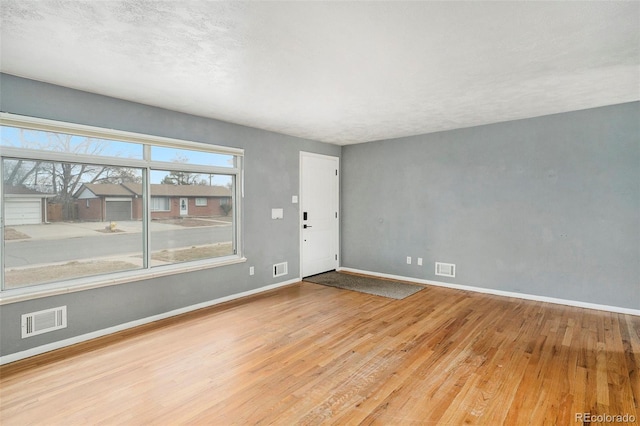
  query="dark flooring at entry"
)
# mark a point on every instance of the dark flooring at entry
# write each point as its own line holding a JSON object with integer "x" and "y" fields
{"x": 366, "y": 284}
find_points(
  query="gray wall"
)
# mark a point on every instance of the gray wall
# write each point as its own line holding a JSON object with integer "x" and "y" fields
{"x": 548, "y": 206}
{"x": 271, "y": 178}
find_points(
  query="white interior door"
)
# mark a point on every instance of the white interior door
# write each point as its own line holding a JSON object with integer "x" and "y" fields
{"x": 319, "y": 194}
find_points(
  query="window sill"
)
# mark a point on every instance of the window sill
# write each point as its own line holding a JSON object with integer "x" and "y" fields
{"x": 88, "y": 283}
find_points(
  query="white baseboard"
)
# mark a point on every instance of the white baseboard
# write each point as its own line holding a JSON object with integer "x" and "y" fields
{"x": 566, "y": 302}
{"x": 99, "y": 333}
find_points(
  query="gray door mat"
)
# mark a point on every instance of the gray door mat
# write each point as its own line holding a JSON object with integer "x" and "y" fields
{"x": 369, "y": 285}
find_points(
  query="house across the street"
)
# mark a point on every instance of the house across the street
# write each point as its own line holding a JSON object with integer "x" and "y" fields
{"x": 106, "y": 202}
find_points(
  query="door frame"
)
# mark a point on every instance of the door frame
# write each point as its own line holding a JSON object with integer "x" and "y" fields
{"x": 300, "y": 199}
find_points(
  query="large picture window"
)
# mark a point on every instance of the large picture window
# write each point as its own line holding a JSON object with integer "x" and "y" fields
{"x": 81, "y": 204}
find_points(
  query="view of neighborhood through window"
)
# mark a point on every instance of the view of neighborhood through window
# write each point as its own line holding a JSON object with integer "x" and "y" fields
{"x": 74, "y": 206}
{"x": 56, "y": 228}
{"x": 183, "y": 230}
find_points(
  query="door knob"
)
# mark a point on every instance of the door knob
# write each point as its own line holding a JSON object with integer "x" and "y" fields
{"x": 306, "y": 226}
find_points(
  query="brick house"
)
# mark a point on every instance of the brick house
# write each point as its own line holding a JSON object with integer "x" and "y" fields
{"x": 105, "y": 202}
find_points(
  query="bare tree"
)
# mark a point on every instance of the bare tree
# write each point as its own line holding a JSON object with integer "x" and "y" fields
{"x": 20, "y": 171}
{"x": 120, "y": 175}
{"x": 182, "y": 178}
{"x": 60, "y": 178}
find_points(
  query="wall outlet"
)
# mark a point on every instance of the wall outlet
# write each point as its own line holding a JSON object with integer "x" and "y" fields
{"x": 408, "y": 260}
{"x": 419, "y": 261}
{"x": 251, "y": 270}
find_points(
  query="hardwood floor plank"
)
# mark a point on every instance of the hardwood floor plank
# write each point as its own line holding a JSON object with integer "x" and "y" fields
{"x": 310, "y": 354}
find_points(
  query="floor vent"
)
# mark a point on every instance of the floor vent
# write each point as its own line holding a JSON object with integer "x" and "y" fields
{"x": 44, "y": 321}
{"x": 280, "y": 269}
{"x": 446, "y": 269}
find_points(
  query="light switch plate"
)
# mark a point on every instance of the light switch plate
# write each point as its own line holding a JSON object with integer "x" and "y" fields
{"x": 277, "y": 214}
{"x": 294, "y": 199}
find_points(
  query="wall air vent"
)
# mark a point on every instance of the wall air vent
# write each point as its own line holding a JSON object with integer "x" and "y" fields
{"x": 44, "y": 321}
{"x": 280, "y": 269}
{"x": 445, "y": 269}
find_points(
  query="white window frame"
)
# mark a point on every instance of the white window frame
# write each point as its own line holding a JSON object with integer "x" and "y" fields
{"x": 79, "y": 284}
{"x": 201, "y": 202}
{"x": 153, "y": 207}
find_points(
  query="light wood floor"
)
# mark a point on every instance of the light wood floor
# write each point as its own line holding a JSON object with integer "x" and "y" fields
{"x": 309, "y": 354}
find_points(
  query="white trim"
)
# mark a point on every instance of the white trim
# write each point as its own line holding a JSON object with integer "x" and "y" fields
{"x": 110, "y": 330}
{"x": 88, "y": 283}
{"x": 525, "y": 296}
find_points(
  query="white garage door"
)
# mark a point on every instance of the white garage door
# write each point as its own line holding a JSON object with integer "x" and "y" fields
{"x": 22, "y": 211}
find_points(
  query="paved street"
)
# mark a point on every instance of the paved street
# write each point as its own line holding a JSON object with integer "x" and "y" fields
{"x": 43, "y": 251}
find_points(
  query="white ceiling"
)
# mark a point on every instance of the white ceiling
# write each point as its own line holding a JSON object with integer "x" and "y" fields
{"x": 339, "y": 72}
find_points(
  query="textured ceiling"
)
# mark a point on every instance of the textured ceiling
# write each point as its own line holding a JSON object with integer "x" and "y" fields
{"x": 339, "y": 72}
